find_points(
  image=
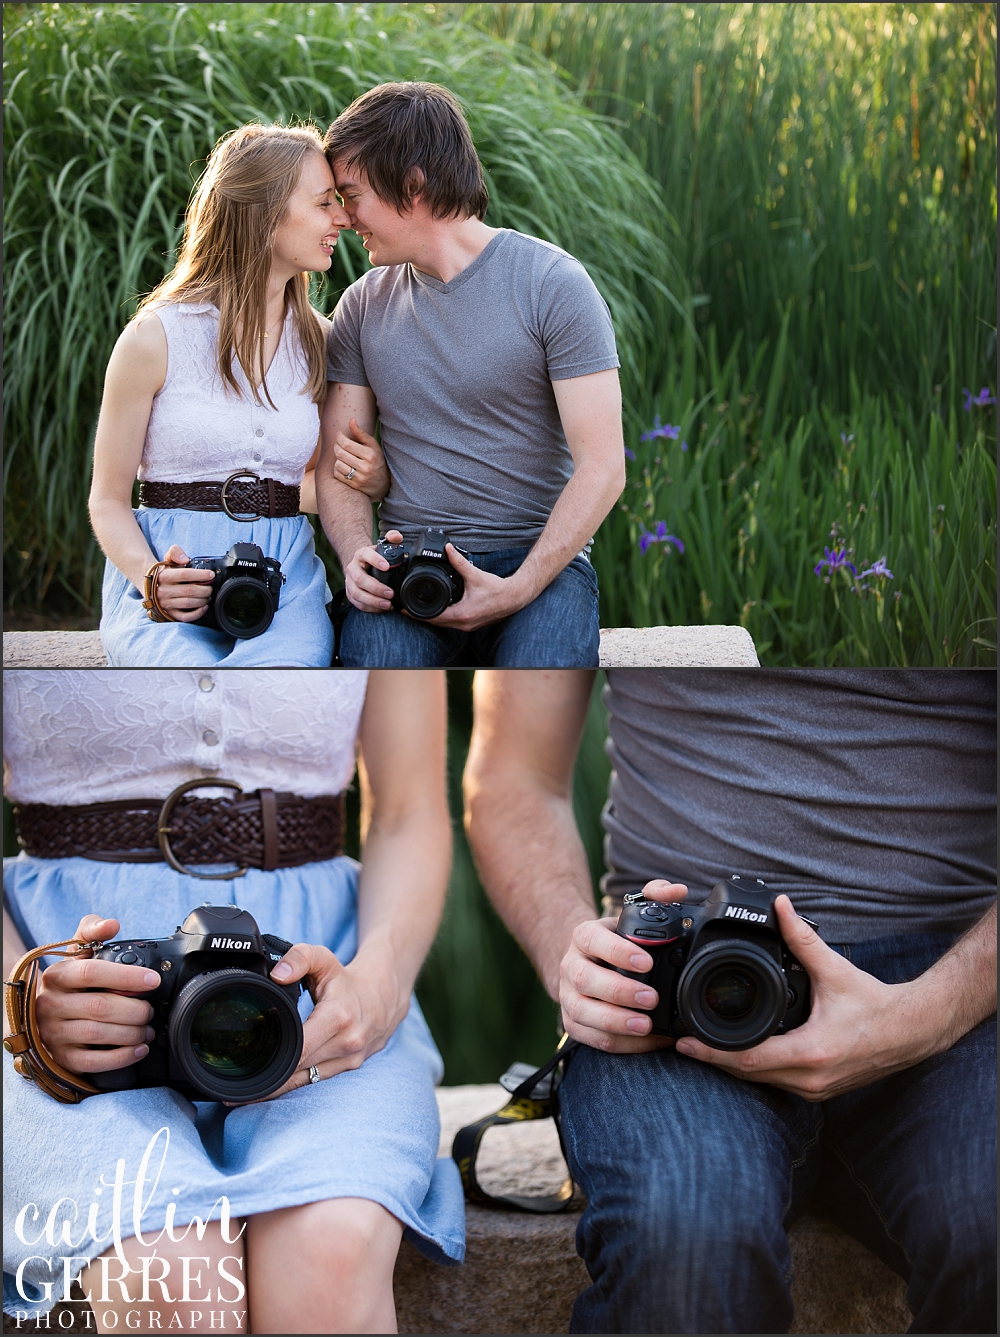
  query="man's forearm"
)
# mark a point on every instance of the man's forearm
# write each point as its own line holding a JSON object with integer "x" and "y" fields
{"x": 575, "y": 519}
{"x": 960, "y": 990}
{"x": 534, "y": 868}
{"x": 345, "y": 513}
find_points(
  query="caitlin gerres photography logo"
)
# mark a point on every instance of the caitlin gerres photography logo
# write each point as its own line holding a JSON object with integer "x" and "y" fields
{"x": 74, "y": 1228}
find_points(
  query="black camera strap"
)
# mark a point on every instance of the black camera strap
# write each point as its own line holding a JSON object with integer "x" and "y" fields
{"x": 534, "y": 1098}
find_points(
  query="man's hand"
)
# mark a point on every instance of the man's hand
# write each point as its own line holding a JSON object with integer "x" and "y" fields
{"x": 596, "y": 1002}
{"x": 364, "y": 590}
{"x": 487, "y": 598}
{"x": 349, "y": 1022}
{"x": 858, "y": 1030}
{"x": 81, "y": 1003}
{"x": 183, "y": 594}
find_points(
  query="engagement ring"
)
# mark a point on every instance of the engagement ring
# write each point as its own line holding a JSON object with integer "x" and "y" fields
{"x": 314, "y": 1074}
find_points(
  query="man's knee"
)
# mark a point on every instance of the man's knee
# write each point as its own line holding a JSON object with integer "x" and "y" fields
{"x": 558, "y": 629}
{"x": 388, "y": 640}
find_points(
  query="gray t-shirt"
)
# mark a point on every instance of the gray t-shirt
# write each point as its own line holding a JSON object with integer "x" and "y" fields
{"x": 462, "y": 376}
{"x": 869, "y": 796}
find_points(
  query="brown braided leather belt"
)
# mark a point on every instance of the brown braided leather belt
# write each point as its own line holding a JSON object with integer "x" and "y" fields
{"x": 243, "y": 496}
{"x": 258, "y": 830}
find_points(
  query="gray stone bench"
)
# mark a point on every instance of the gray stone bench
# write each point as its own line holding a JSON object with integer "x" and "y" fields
{"x": 621, "y": 647}
{"x": 522, "y": 1272}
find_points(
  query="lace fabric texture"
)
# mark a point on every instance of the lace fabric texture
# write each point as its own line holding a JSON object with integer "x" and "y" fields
{"x": 201, "y": 432}
{"x": 91, "y": 735}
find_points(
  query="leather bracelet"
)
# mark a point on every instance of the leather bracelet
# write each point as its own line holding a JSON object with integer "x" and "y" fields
{"x": 151, "y": 603}
{"x": 31, "y": 1059}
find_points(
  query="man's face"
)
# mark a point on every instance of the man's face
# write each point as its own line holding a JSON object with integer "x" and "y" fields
{"x": 389, "y": 237}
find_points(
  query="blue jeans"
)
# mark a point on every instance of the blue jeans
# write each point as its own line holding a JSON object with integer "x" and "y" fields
{"x": 559, "y": 629}
{"x": 692, "y": 1178}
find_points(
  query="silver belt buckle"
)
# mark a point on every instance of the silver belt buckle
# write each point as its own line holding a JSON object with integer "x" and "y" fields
{"x": 241, "y": 519}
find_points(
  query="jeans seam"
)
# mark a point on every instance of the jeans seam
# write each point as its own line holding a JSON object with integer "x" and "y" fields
{"x": 796, "y": 1164}
{"x": 864, "y": 1189}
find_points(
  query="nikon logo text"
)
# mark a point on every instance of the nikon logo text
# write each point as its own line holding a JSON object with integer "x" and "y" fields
{"x": 232, "y": 944}
{"x": 741, "y": 912}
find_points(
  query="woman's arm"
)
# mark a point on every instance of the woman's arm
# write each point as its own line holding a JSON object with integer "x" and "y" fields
{"x": 135, "y": 375}
{"x": 404, "y": 875}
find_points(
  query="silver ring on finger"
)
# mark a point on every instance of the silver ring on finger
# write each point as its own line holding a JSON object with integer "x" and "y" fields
{"x": 351, "y": 473}
{"x": 314, "y": 1074}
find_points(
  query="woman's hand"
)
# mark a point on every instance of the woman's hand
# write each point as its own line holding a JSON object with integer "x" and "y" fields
{"x": 81, "y": 1002}
{"x": 183, "y": 594}
{"x": 350, "y": 1021}
{"x": 359, "y": 462}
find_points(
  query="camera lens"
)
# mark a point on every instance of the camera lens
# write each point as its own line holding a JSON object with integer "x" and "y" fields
{"x": 234, "y": 1035}
{"x": 243, "y": 608}
{"x": 732, "y": 994}
{"x": 426, "y": 591}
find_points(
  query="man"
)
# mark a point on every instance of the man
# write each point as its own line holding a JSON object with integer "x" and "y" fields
{"x": 868, "y": 799}
{"x": 489, "y": 359}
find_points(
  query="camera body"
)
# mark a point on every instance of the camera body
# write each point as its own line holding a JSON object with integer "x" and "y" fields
{"x": 245, "y": 591}
{"x": 224, "y": 1029}
{"x": 424, "y": 583}
{"x": 722, "y": 971}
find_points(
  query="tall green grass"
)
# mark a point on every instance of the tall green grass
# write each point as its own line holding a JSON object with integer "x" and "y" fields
{"x": 835, "y": 163}
{"x": 110, "y": 113}
{"x": 757, "y": 498}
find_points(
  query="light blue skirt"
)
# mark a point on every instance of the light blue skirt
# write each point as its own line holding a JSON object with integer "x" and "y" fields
{"x": 301, "y": 635}
{"x": 372, "y": 1133}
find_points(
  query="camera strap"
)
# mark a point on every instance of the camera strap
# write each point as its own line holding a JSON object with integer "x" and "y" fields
{"x": 31, "y": 1059}
{"x": 533, "y": 1098}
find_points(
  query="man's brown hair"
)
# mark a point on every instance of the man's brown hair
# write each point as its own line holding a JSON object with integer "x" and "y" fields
{"x": 412, "y": 138}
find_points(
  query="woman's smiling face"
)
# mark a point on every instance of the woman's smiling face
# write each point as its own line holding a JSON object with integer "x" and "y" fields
{"x": 312, "y": 221}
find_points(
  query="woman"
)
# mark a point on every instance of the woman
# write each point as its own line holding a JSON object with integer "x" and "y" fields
{"x": 221, "y": 376}
{"x": 327, "y": 1174}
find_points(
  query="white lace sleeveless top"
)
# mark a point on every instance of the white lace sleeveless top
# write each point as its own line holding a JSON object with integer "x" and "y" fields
{"x": 201, "y": 432}
{"x": 91, "y": 735}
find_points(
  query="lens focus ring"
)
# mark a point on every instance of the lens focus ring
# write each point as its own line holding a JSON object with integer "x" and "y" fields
{"x": 732, "y": 994}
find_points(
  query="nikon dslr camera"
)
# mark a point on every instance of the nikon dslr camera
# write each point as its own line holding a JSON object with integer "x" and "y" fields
{"x": 422, "y": 580}
{"x": 722, "y": 971}
{"x": 224, "y": 1029}
{"x": 245, "y": 591}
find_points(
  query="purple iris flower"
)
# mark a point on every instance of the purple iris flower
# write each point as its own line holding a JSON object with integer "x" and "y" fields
{"x": 845, "y": 439}
{"x": 629, "y": 454}
{"x": 979, "y": 401}
{"x": 659, "y": 535}
{"x": 834, "y": 559}
{"x": 665, "y": 430}
{"x": 684, "y": 445}
{"x": 878, "y": 568}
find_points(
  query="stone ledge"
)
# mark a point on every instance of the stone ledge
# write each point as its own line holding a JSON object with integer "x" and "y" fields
{"x": 522, "y": 1272}
{"x": 677, "y": 647}
{"x": 621, "y": 647}
{"x": 53, "y": 649}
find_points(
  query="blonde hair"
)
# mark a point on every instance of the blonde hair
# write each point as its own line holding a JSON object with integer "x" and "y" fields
{"x": 225, "y": 256}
